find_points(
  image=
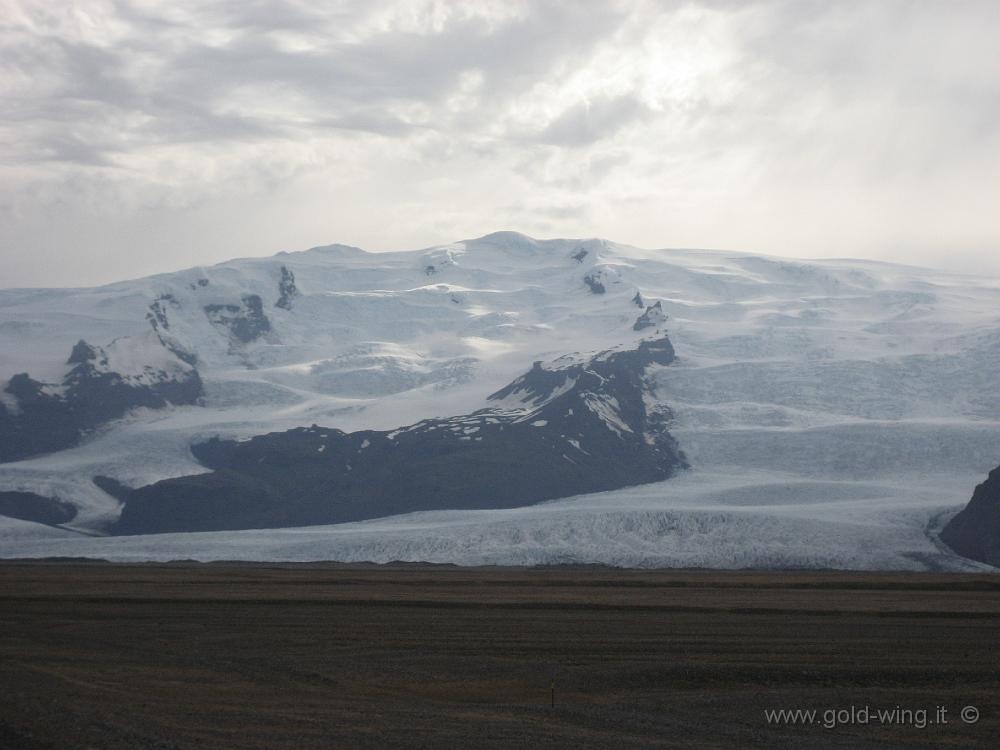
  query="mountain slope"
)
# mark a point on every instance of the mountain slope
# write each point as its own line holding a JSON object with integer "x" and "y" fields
{"x": 103, "y": 384}
{"x": 975, "y": 531}
{"x": 568, "y": 430}
{"x": 807, "y": 375}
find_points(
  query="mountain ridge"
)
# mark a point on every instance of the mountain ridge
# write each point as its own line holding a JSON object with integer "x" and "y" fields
{"x": 492, "y": 458}
{"x": 787, "y": 372}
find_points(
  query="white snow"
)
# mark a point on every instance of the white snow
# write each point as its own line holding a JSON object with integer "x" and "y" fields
{"x": 833, "y": 411}
{"x": 721, "y": 521}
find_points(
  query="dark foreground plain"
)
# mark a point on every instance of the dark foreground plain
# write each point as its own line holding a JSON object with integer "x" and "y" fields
{"x": 324, "y": 656}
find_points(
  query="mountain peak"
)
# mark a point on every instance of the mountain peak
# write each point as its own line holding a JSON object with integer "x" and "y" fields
{"x": 508, "y": 238}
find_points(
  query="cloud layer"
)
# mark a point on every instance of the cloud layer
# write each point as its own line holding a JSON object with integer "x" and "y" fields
{"x": 144, "y": 136}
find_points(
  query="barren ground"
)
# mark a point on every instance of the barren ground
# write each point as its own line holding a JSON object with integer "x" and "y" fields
{"x": 252, "y": 656}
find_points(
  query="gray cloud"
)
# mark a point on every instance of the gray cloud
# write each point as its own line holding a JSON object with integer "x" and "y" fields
{"x": 588, "y": 122}
{"x": 786, "y": 126}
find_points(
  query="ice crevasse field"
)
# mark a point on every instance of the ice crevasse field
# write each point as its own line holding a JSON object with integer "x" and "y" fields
{"x": 835, "y": 413}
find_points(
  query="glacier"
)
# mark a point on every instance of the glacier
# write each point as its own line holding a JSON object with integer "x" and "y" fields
{"x": 835, "y": 413}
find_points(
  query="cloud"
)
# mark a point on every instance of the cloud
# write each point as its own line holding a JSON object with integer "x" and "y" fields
{"x": 588, "y": 122}
{"x": 787, "y": 126}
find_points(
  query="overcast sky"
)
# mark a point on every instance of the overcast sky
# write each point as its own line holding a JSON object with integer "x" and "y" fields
{"x": 138, "y": 137}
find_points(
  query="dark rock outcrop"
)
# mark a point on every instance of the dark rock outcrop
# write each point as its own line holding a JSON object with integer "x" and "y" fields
{"x": 95, "y": 395}
{"x": 80, "y": 353}
{"x": 975, "y": 531}
{"x": 160, "y": 323}
{"x": 653, "y": 317}
{"x": 219, "y": 500}
{"x": 579, "y": 255}
{"x": 53, "y": 417}
{"x": 43, "y": 421}
{"x": 245, "y": 322}
{"x": 28, "y": 506}
{"x": 287, "y": 290}
{"x": 595, "y": 281}
{"x": 638, "y": 301}
{"x": 157, "y": 313}
{"x": 555, "y": 432}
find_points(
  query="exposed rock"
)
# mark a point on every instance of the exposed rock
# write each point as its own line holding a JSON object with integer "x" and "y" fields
{"x": 638, "y": 301}
{"x": 42, "y": 423}
{"x": 595, "y": 281}
{"x": 579, "y": 255}
{"x": 160, "y": 323}
{"x": 975, "y": 531}
{"x": 28, "y": 506}
{"x": 555, "y": 432}
{"x": 245, "y": 322}
{"x": 157, "y": 314}
{"x": 219, "y": 500}
{"x": 287, "y": 290}
{"x": 81, "y": 352}
{"x": 653, "y": 317}
{"x": 52, "y": 417}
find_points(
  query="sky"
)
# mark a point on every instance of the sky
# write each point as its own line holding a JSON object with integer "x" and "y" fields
{"x": 138, "y": 136}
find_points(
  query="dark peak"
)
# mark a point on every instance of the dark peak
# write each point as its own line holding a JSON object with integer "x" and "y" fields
{"x": 595, "y": 281}
{"x": 975, "y": 531}
{"x": 537, "y": 385}
{"x": 22, "y": 386}
{"x": 637, "y": 300}
{"x": 91, "y": 394}
{"x": 540, "y": 383}
{"x": 287, "y": 290}
{"x": 652, "y": 317}
{"x": 579, "y": 255}
{"x": 82, "y": 352}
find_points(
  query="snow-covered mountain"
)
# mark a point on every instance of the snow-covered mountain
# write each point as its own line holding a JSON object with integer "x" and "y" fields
{"x": 832, "y": 413}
